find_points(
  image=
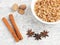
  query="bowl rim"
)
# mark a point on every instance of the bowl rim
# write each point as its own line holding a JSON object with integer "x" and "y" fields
{"x": 32, "y": 9}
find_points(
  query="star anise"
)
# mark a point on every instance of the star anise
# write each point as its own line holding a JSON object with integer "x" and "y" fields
{"x": 44, "y": 34}
{"x": 37, "y": 36}
{"x": 30, "y": 33}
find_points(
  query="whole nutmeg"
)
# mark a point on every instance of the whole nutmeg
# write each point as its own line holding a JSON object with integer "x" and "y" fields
{"x": 23, "y": 6}
{"x": 15, "y": 7}
{"x": 21, "y": 11}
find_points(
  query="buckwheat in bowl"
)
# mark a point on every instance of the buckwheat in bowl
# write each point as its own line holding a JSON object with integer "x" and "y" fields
{"x": 46, "y": 11}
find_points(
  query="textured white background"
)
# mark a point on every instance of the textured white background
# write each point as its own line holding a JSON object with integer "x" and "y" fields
{"x": 24, "y": 22}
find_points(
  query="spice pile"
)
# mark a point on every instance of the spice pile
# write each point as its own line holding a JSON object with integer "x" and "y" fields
{"x": 37, "y": 36}
{"x": 14, "y": 30}
{"x": 20, "y": 9}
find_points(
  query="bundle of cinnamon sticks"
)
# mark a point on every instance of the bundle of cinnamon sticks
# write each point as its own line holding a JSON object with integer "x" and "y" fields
{"x": 13, "y": 30}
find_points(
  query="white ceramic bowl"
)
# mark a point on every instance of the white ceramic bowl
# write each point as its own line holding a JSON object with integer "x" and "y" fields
{"x": 32, "y": 8}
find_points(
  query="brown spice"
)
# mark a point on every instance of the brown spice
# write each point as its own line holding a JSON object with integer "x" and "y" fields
{"x": 30, "y": 33}
{"x": 12, "y": 20}
{"x": 15, "y": 7}
{"x": 37, "y": 36}
{"x": 44, "y": 34}
{"x": 23, "y": 6}
{"x": 20, "y": 11}
{"x": 10, "y": 29}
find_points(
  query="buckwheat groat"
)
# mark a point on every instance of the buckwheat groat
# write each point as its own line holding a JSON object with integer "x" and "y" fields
{"x": 48, "y": 10}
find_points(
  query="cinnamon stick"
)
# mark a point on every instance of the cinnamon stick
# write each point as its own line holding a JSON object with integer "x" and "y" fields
{"x": 15, "y": 26}
{"x": 10, "y": 29}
